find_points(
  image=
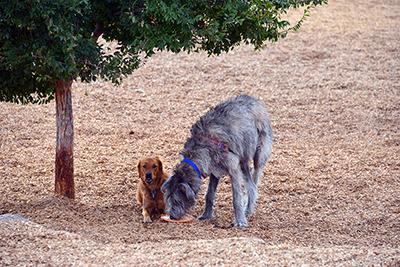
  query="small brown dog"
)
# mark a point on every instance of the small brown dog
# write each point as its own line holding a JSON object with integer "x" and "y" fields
{"x": 148, "y": 194}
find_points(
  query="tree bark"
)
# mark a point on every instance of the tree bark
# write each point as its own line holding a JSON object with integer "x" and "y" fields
{"x": 64, "y": 165}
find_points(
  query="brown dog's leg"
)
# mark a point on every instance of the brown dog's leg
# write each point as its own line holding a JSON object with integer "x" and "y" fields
{"x": 146, "y": 216}
{"x": 145, "y": 212}
{"x": 139, "y": 197}
{"x": 160, "y": 205}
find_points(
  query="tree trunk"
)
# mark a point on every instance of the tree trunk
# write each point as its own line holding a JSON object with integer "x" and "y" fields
{"x": 64, "y": 165}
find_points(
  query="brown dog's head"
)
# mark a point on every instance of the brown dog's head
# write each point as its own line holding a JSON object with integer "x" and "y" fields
{"x": 150, "y": 170}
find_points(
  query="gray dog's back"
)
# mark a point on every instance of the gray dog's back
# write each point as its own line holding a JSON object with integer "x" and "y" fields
{"x": 241, "y": 122}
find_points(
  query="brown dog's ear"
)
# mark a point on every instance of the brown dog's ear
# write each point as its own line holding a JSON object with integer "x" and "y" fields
{"x": 140, "y": 171}
{"x": 160, "y": 170}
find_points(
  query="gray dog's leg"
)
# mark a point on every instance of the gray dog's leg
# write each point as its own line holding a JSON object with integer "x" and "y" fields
{"x": 240, "y": 196}
{"x": 251, "y": 188}
{"x": 210, "y": 197}
{"x": 261, "y": 156}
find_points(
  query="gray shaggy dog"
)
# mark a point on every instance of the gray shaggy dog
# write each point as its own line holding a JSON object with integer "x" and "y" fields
{"x": 223, "y": 142}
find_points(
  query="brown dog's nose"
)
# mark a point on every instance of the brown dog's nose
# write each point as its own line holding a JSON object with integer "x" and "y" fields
{"x": 149, "y": 178}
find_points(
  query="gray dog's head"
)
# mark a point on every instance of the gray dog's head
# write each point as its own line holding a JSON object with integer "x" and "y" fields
{"x": 180, "y": 191}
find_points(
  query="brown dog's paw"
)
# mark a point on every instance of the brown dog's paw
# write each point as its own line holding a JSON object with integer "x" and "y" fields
{"x": 146, "y": 216}
{"x": 147, "y": 220}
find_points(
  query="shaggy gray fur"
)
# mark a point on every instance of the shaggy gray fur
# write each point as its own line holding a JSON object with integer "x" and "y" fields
{"x": 223, "y": 142}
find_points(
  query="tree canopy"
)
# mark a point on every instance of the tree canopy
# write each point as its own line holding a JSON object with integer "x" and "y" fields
{"x": 44, "y": 41}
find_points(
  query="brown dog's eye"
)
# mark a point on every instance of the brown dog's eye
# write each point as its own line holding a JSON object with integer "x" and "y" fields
{"x": 154, "y": 166}
{"x": 144, "y": 166}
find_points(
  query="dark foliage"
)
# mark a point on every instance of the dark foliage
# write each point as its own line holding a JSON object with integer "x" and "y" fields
{"x": 49, "y": 40}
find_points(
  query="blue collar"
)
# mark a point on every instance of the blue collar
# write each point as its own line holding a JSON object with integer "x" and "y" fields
{"x": 191, "y": 163}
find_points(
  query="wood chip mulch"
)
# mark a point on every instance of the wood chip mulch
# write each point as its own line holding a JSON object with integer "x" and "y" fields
{"x": 330, "y": 194}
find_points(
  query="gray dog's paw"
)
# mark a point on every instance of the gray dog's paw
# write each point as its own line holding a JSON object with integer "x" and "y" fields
{"x": 205, "y": 217}
{"x": 240, "y": 224}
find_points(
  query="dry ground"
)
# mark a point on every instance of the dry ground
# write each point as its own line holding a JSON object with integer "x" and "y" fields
{"x": 330, "y": 194}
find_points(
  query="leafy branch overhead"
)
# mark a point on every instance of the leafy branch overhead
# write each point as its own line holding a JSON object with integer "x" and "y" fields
{"x": 49, "y": 40}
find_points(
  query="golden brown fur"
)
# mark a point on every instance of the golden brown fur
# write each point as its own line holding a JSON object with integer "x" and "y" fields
{"x": 148, "y": 194}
